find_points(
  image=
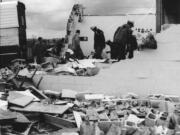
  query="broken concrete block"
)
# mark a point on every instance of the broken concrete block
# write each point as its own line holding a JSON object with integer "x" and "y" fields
{"x": 86, "y": 128}
{"x": 160, "y": 130}
{"x": 133, "y": 121}
{"x": 150, "y": 119}
{"x": 113, "y": 115}
{"x": 94, "y": 96}
{"x": 92, "y": 114}
{"x": 68, "y": 94}
{"x": 134, "y": 110}
{"x": 114, "y": 130}
{"x": 103, "y": 117}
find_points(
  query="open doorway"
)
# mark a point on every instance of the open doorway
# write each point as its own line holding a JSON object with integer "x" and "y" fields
{"x": 168, "y": 12}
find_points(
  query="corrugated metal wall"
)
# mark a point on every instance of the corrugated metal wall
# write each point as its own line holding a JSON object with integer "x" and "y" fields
{"x": 8, "y": 15}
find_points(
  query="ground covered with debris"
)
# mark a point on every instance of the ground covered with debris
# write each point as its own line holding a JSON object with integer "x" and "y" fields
{"x": 90, "y": 97}
{"x": 71, "y": 113}
{"x": 150, "y": 71}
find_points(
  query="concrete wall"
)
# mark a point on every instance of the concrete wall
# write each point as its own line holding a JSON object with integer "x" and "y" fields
{"x": 109, "y": 24}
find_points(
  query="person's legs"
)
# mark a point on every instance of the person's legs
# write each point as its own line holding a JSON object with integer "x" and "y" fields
{"x": 131, "y": 53}
{"x": 113, "y": 52}
{"x": 98, "y": 52}
{"x": 78, "y": 53}
{"x": 39, "y": 59}
{"x": 123, "y": 52}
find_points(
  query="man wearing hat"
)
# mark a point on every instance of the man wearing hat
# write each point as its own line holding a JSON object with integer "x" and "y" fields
{"x": 121, "y": 39}
{"x": 99, "y": 42}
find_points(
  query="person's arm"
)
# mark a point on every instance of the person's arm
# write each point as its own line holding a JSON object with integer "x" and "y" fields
{"x": 103, "y": 39}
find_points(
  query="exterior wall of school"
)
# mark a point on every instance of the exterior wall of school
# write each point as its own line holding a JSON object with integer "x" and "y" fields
{"x": 109, "y": 24}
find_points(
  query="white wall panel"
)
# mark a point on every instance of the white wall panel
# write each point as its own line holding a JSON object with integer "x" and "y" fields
{"x": 9, "y": 37}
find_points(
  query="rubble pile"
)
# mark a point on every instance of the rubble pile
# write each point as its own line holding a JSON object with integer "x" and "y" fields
{"x": 69, "y": 112}
{"x": 26, "y": 110}
{"x": 86, "y": 67}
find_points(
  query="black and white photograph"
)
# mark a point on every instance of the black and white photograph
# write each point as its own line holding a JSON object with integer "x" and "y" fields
{"x": 89, "y": 67}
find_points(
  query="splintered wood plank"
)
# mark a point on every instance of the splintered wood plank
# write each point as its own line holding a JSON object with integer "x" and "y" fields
{"x": 42, "y": 108}
{"x": 7, "y": 115}
{"x": 21, "y": 118}
{"x": 58, "y": 122}
{"x": 77, "y": 118}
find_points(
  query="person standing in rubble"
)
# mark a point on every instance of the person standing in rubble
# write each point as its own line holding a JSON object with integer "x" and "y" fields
{"x": 76, "y": 46}
{"x": 39, "y": 50}
{"x": 121, "y": 39}
{"x": 99, "y": 42}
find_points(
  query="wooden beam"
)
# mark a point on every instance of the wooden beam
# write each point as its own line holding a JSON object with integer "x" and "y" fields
{"x": 36, "y": 107}
{"x": 58, "y": 122}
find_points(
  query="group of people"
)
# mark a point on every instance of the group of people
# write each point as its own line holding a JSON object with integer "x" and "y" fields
{"x": 124, "y": 43}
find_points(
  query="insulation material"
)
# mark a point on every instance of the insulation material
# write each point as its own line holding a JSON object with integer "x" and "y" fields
{"x": 9, "y": 37}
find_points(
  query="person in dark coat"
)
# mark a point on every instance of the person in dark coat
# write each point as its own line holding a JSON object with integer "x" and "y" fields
{"x": 76, "y": 46}
{"x": 99, "y": 42}
{"x": 131, "y": 46}
{"x": 39, "y": 51}
{"x": 121, "y": 40}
